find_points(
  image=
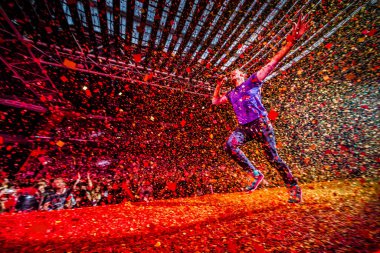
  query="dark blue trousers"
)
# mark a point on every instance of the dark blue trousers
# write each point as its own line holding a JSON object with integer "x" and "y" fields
{"x": 260, "y": 130}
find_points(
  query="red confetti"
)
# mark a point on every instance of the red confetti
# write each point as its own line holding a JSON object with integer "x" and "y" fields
{"x": 372, "y": 32}
{"x": 328, "y": 45}
{"x": 272, "y": 115}
{"x": 43, "y": 98}
{"x": 88, "y": 93}
{"x": 137, "y": 58}
{"x": 69, "y": 64}
{"x": 48, "y": 29}
{"x": 148, "y": 77}
{"x": 64, "y": 79}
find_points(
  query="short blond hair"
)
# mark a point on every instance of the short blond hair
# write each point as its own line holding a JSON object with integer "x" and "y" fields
{"x": 235, "y": 70}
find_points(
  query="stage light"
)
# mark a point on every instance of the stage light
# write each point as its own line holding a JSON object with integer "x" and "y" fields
{"x": 84, "y": 87}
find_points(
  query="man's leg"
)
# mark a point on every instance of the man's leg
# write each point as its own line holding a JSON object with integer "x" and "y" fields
{"x": 269, "y": 143}
{"x": 236, "y": 139}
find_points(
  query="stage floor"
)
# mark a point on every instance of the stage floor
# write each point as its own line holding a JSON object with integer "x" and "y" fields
{"x": 338, "y": 216}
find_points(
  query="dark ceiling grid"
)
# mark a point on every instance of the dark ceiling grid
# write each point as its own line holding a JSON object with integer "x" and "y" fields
{"x": 138, "y": 10}
{"x": 28, "y": 12}
{"x": 245, "y": 43}
{"x": 258, "y": 48}
{"x": 258, "y": 55}
{"x": 200, "y": 29}
{"x": 116, "y": 26}
{"x": 143, "y": 23}
{"x": 15, "y": 14}
{"x": 166, "y": 31}
{"x": 155, "y": 25}
{"x": 186, "y": 38}
{"x": 221, "y": 52}
{"x": 252, "y": 58}
{"x": 181, "y": 23}
{"x": 225, "y": 30}
{"x": 129, "y": 24}
{"x": 90, "y": 25}
{"x": 190, "y": 21}
{"x": 169, "y": 22}
{"x": 78, "y": 25}
{"x": 252, "y": 25}
{"x": 304, "y": 42}
{"x": 248, "y": 39}
{"x": 12, "y": 59}
{"x": 102, "y": 8}
{"x": 151, "y": 15}
{"x": 156, "y": 43}
{"x": 151, "y": 59}
{"x": 174, "y": 25}
{"x": 242, "y": 41}
{"x": 45, "y": 22}
{"x": 233, "y": 37}
{"x": 205, "y": 26}
{"x": 63, "y": 26}
{"x": 163, "y": 23}
{"x": 214, "y": 44}
{"x": 25, "y": 64}
{"x": 181, "y": 57}
{"x": 195, "y": 37}
{"x": 174, "y": 37}
{"x": 208, "y": 47}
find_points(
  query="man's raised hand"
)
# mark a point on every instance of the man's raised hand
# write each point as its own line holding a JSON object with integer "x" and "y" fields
{"x": 299, "y": 28}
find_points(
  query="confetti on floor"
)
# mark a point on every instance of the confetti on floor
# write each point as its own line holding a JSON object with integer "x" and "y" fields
{"x": 338, "y": 216}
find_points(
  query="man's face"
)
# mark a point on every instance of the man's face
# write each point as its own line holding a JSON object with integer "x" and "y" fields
{"x": 59, "y": 184}
{"x": 237, "y": 77}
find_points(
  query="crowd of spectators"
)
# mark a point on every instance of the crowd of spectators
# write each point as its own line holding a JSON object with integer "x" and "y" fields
{"x": 46, "y": 188}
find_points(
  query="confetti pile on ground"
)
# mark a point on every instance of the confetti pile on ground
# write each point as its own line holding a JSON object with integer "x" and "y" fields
{"x": 338, "y": 216}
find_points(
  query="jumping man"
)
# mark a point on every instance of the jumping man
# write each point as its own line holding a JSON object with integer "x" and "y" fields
{"x": 252, "y": 117}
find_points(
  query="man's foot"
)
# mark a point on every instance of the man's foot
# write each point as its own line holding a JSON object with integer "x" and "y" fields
{"x": 295, "y": 193}
{"x": 255, "y": 183}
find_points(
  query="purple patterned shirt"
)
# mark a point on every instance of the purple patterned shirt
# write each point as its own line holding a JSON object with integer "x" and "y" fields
{"x": 246, "y": 100}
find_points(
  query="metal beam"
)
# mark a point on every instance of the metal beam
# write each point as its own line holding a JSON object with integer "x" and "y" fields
{"x": 31, "y": 54}
{"x": 23, "y": 105}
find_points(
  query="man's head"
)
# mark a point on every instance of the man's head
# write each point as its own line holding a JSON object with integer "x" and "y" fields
{"x": 237, "y": 76}
{"x": 59, "y": 183}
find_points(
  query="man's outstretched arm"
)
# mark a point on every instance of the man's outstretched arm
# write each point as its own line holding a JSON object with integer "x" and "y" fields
{"x": 298, "y": 30}
{"x": 218, "y": 99}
